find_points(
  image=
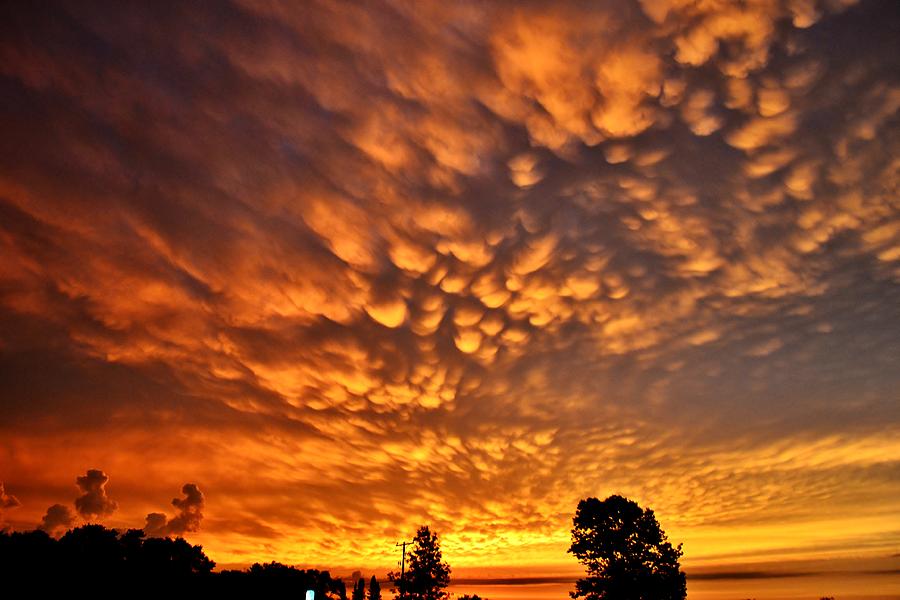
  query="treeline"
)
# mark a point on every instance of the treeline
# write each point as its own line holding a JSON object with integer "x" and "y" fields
{"x": 107, "y": 562}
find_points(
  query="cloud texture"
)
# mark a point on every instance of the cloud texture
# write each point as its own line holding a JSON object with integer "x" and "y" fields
{"x": 361, "y": 266}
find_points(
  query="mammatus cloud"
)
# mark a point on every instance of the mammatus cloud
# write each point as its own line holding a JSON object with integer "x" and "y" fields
{"x": 190, "y": 513}
{"x": 58, "y": 519}
{"x": 94, "y": 503}
{"x": 459, "y": 263}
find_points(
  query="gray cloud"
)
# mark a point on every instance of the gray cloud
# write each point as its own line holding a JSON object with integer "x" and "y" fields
{"x": 94, "y": 502}
{"x": 58, "y": 518}
{"x": 155, "y": 525}
{"x": 190, "y": 514}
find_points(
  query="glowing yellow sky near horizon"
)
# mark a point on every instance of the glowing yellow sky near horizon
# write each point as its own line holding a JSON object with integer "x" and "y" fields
{"x": 352, "y": 268}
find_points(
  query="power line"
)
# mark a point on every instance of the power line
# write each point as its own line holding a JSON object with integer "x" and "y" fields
{"x": 402, "y": 565}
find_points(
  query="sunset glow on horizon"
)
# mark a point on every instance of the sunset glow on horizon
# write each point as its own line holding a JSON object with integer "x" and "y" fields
{"x": 349, "y": 268}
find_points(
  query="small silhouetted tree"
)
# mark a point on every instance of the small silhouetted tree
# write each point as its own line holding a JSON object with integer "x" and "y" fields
{"x": 426, "y": 575}
{"x": 374, "y": 589}
{"x": 339, "y": 588}
{"x": 359, "y": 590}
{"x": 626, "y": 553}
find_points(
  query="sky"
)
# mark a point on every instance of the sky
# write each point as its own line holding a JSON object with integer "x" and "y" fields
{"x": 323, "y": 272}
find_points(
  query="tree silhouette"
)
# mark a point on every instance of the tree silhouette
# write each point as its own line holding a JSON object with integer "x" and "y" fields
{"x": 626, "y": 553}
{"x": 47, "y": 567}
{"x": 359, "y": 590}
{"x": 276, "y": 580}
{"x": 174, "y": 558}
{"x": 339, "y": 588}
{"x": 374, "y": 589}
{"x": 93, "y": 550}
{"x": 95, "y": 553}
{"x": 426, "y": 574}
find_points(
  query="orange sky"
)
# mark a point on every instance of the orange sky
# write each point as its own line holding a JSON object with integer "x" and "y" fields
{"x": 354, "y": 267}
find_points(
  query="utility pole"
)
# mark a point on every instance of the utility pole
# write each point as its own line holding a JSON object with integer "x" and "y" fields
{"x": 402, "y": 566}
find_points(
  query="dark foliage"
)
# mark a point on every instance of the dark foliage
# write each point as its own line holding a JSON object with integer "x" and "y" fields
{"x": 277, "y": 580}
{"x": 626, "y": 553}
{"x": 115, "y": 564}
{"x": 374, "y": 589}
{"x": 359, "y": 590}
{"x": 95, "y": 552}
{"x": 340, "y": 589}
{"x": 426, "y": 575}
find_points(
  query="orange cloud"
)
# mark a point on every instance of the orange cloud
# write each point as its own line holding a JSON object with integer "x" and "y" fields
{"x": 358, "y": 268}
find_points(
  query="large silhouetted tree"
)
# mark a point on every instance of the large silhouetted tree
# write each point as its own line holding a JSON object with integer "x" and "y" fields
{"x": 626, "y": 553}
{"x": 426, "y": 575}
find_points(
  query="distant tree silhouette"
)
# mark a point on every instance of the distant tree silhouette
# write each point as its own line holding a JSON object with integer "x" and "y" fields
{"x": 374, "y": 589}
{"x": 626, "y": 553}
{"x": 132, "y": 542}
{"x": 472, "y": 597}
{"x": 339, "y": 588}
{"x": 27, "y": 555}
{"x": 95, "y": 553}
{"x": 359, "y": 590}
{"x": 115, "y": 560}
{"x": 174, "y": 558}
{"x": 275, "y": 579}
{"x": 112, "y": 561}
{"x": 93, "y": 550}
{"x": 426, "y": 575}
